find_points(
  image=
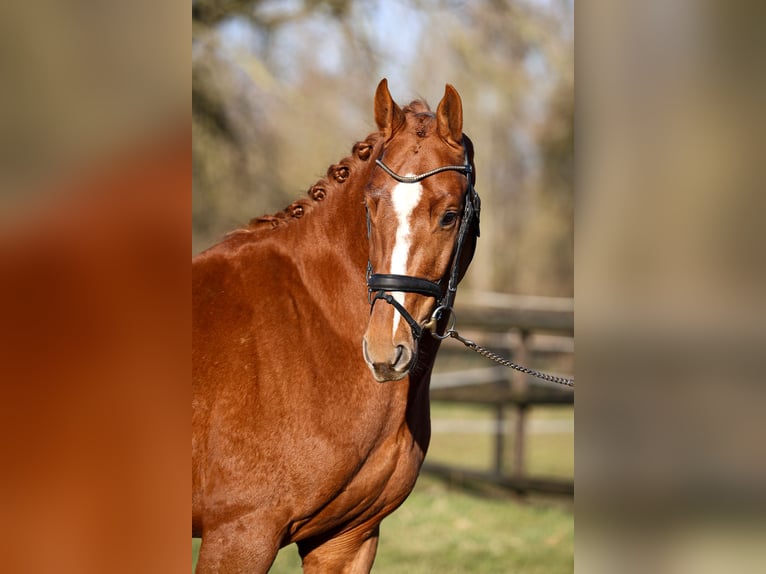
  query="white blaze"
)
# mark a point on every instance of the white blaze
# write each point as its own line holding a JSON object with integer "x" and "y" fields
{"x": 404, "y": 196}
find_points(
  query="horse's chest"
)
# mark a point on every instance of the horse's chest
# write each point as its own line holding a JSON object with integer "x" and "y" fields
{"x": 393, "y": 471}
{"x": 377, "y": 488}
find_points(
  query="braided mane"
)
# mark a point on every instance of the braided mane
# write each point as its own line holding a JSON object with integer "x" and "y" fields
{"x": 337, "y": 175}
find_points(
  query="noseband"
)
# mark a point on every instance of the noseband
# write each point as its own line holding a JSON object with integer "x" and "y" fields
{"x": 380, "y": 285}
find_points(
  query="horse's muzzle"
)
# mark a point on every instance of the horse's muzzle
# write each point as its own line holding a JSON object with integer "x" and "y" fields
{"x": 388, "y": 366}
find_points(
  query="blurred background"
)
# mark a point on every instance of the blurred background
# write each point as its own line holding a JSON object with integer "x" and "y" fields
{"x": 283, "y": 88}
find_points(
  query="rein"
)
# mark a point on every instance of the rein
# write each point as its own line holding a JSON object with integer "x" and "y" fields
{"x": 380, "y": 285}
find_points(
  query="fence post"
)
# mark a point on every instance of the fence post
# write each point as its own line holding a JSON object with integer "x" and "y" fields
{"x": 520, "y": 389}
{"x": 499, "y": 437}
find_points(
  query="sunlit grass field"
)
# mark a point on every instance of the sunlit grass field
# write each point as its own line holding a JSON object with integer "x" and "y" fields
{"x": 442, "y": 529}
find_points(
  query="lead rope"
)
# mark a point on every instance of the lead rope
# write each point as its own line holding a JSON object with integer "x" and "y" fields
{"x": 451, "y": 332}
{"x": 506, "y": 363}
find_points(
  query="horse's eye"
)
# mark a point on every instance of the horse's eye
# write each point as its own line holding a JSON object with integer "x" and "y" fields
{"x": 448, "y": 219}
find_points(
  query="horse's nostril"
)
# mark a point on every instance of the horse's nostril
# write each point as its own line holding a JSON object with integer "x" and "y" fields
{"x": 387, "y": 366}
{"x": 403, "y": 357}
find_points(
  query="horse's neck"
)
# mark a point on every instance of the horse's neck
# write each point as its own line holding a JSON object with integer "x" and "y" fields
{"x": 331, "y": 248}
{"x": 336, "y": 232}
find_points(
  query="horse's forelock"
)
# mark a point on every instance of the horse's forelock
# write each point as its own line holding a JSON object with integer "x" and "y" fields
{"x": 417, "y": 107}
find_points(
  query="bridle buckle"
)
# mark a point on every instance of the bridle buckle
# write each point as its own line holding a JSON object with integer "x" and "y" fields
{"x": 435, "y": 316}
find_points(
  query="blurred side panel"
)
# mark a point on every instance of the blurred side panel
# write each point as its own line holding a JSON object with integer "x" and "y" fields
{"x": 670, "y": 287}
{"x": 95, "y": 204}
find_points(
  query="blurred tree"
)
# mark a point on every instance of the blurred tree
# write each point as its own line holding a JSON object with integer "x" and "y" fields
{"x": 249, "y": 123}
{"x": 550, "y": 233}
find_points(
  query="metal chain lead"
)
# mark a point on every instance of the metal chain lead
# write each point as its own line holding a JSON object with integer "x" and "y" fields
{"x": 506, "y": 363}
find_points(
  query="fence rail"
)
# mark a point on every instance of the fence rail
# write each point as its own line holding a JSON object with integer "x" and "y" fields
{"x": 503, "y": 312}
{"x": 529, "y": 325}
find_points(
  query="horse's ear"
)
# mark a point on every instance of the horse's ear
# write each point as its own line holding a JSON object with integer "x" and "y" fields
{"x": 449, "y": 117}
{"x": 388, "y": 115}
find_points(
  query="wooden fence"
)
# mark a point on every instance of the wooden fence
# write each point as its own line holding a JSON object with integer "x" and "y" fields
{"x": 531, "y": 331}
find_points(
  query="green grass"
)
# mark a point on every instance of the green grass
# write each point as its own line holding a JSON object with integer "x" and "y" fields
{"x": 450, "y": 531}
{"x": 441, "y": 529}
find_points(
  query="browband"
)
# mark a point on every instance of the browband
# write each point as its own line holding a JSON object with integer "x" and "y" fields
{"x": 465, "y": 168}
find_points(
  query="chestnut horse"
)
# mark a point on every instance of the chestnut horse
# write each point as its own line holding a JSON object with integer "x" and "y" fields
{"x": 310, "y": 405}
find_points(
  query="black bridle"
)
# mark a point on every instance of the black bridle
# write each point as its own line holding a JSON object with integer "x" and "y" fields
{"x": 380, "y": 285}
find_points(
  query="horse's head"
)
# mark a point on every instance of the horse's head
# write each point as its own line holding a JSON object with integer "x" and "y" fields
{"x": 423, "y": 223}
